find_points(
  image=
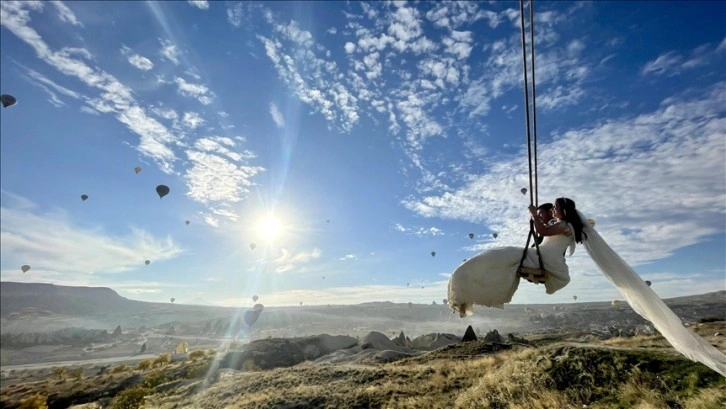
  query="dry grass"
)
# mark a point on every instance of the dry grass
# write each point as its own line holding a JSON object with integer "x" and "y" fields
{"x": 619, "y": 373}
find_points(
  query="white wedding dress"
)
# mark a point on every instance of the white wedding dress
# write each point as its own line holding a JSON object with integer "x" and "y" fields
{"x": 490, "y": 278}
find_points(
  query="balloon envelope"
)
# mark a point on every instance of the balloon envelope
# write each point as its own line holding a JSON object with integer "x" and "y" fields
{"x": 574, "y": 297}
{"x": 162, "y": 190}
{"x": 255, "y": 298}
{"x": 471, "y": 235}
{"x": 258, "y": 307}
{"x": 137, "y": 170}
{"x": 648, "y": 282}
{"x": 251, "y": 317}
{"x": 7, "y": 100}
{"x": 84, "y": 197}
{"x": 495, "y": 235}
{"x": 187, "y": 222}
{"x": 172, "y": 300}
{"x": 25, "y": 268}
{"x": 147, "y": 262}
{"x": 252, "y": 246}
{"x": 523, "y": 190}
{"x": 433, "y": 254}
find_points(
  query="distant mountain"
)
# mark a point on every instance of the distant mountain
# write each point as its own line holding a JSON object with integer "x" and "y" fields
{"x": 66, "y": 300}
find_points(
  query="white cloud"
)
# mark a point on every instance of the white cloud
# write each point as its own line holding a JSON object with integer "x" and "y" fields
{"x": 289, "y": 261}
{"x": 65, "y": 14}
{"x": 170, "y": 51}
{"x": 219, "y": 174}
{"x": 668, "y": 63}
{"x": 608, "y": 169}
{"x": 349, "y": 47}
{"x": 200, "y": 4}
{"x": 137, "y": 60}
{"x": 235, "y": 14}
{"x": 51, "y": 244}
{"x": 276, "y": 115}
{"x": 192, "y": 120}
{"x": 114, "y": 96}
{"x": 348, "y": 257}
{"x": 199, "y": 91}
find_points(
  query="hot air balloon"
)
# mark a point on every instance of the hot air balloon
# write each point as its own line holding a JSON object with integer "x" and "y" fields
{"x": 301, "y": 303}
{"x": 648, "y": 282}
{"x": 187, "y": 222}
{"x": 7, "y": 100}
{"x": 258, "y": 307}
{"x": 471, "y": 235}
{"x": 495, "y": 235}
{"x": 433, "y": 254}
{"x": 162, "y": 190}
{"x": 523, "y": 190}
{"x": 84, "y": 197}
{"x": 255, "y": 298}
{"x": 574, "y": 297}
{"x": 172, "y": 300}
{"x": 147, "y": 262}
{"x": 252, "y": 246}
{"x": 408, "y": 284}
{"x": 137, "y": 170}
{"x": 251, "y": 317}
{"x": 445, "y": 301}
{"x": 25, "y": 268}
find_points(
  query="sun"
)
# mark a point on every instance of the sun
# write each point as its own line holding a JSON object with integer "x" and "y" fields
{"x": 269, "y": 227}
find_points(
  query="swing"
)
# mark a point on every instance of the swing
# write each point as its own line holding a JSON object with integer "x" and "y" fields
{"x": 534, "y": 275}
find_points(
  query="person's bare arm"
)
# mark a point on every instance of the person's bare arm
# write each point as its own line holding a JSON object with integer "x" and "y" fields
{"x": 548, "y": 230}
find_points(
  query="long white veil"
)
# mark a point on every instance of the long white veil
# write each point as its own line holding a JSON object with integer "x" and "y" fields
{"x": 647, "y": 303}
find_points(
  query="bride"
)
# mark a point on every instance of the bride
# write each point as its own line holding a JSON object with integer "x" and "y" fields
{"x": 491, "y": 279}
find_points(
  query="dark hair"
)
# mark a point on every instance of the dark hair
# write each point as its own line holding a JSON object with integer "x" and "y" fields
{"x": 545, "y": 206}
{"x": 569, "y": 211}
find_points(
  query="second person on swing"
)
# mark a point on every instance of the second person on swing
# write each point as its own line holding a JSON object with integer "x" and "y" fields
{"x": 491, "y": 278}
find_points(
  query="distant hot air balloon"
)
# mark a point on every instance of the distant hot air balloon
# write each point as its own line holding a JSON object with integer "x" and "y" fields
{"x": 408, "y": 284}
{"x": 187, "y": 222}
{"x": 495, "y": 235}
{"x": 25, "y": 268}
{"x": 255, "y": 298}
{"x": 84, "y": 197}
{"x": 7, "y": 100}
{"x": 251, "y": 317}
{"x": 258, "y": 307}
{"x": 463, "y": 261}
{"x": 252, "y": 246}
{"x": 301, "y": 303}
{"x": 327, "y": 221}
{"x": 445, "y": 301}
{"x": 648, "y": 282}
{"x": 137, "y": 170}
{"x": 471, "y": 235}
{"x": 172, "y": 300}
{"x": 162, "y": 190}
{"x": 147, "y": 262}
{"x": 574, "y": 297}
{"x": 433, "y": 254}
{"x": 323, "y": 277}
{"x": 410, "y": 304}
{"x": 523, "y": 190}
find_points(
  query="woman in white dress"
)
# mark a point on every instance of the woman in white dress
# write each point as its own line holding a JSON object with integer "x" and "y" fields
{"x": 490, "y": 278}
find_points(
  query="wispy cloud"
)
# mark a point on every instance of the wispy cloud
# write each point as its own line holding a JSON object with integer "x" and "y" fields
{"x": 673, "y": 63}
{"x": 276, "y": 115}
{"x": 137, "y": 60}
{"x": 170, "y": 51}
{"x": 235, "y": 14}
{"x": 65, "y": 14}
{"x": 200, "y": 4}
{"x": 290, "y": 261}
{"x": 198, "y": 91}
{"x": 51, "y": 244}
{"x": 114, "y": 96}
{"x": 348, "y": 257}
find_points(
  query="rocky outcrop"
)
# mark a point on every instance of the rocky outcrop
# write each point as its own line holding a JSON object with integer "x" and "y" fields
{"x": 66, "y": 336}
{"x": 469, "y": 335}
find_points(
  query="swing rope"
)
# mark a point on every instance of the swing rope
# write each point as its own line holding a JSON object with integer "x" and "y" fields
{"x": 534, "y": 275}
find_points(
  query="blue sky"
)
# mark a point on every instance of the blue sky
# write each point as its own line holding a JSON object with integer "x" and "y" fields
{"x": 375, "y": 133}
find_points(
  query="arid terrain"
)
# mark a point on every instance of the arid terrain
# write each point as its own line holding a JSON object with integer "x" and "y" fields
{"x": 65, "y": 346}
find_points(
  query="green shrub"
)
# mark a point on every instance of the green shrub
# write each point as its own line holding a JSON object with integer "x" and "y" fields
{"x": 145, "y": 364}
{"x": 198, "y": 354}
{"x": 119, "y": 369}
{"x": 162, "y": 360}
{"x": 155, "y": 379}
{"x": 131, "y": 398}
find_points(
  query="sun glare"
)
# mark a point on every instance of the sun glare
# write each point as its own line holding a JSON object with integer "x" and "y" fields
{"x": 269, "y": 227}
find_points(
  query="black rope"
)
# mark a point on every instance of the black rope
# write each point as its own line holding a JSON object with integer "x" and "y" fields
{"x": 533, "y": 187}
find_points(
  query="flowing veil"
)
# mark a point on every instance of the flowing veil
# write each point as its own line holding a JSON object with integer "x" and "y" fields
{"x": 647, "y": 303}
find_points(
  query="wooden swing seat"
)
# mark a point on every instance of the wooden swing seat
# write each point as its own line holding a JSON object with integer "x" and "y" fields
{"x": 534, "y": 275}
